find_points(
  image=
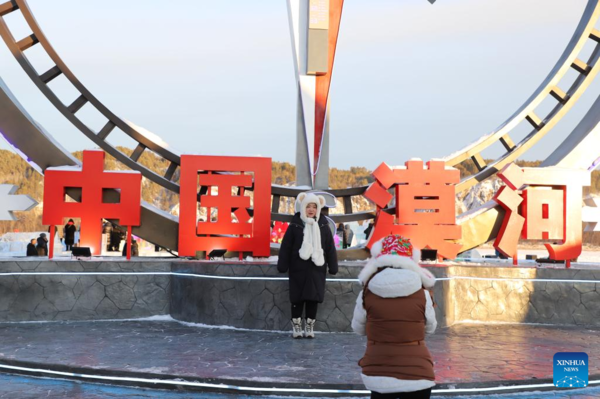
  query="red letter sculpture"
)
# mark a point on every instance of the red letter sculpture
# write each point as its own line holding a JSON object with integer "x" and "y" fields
{"x": 92, "y": 179}
{"x": 424, "y": 205}
{"x": 509, "y": 199}
{"x": 250, "y": 233}
{"x": 550, "y": 203}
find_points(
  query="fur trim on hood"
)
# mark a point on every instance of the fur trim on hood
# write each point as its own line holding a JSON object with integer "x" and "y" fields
{"x": 398, "y": 262}
{"x": 310, "y": 198}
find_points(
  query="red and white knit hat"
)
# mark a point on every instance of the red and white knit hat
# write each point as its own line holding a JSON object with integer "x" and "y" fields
{"x": 398, "y": 252}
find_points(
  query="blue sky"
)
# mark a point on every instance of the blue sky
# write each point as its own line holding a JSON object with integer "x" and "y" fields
{"x": 216, "y": 77}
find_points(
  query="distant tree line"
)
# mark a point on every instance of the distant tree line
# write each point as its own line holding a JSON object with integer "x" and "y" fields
{"x": 467, "y": 168}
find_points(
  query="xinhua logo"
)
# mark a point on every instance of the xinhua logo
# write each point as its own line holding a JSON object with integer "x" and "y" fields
{"x": 571, "y": 370}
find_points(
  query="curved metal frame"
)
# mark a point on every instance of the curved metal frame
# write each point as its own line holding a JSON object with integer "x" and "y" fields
{"x": 18, "y": 50}
{"x": 541, "y": 126}
{"x": 41, "y": 151}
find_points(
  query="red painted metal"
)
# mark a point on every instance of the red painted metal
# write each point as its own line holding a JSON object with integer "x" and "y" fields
{"x": 551, "y": 210}
{"x": 92, "y": 180}
{"x": 508, "y": 238}
{"x": 323, "y": 82}
{"x": 425, "y": 205}
{"x": 129, "y": 242}
{"x": 249, "y": 234}
{"x": 51, "y": 242}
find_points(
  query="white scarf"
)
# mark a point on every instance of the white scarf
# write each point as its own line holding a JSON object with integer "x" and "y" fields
{"x": 311, "y": 243}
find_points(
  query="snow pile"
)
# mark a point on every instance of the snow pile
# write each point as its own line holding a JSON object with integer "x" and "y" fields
{"x": 478, "y": 195}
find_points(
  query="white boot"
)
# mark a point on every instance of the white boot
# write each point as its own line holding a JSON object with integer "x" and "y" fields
{"x": 297, "y": 328}
{"x": 309, "y": 329}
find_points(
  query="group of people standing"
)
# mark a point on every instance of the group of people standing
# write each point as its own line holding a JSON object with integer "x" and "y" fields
{"x": 346, "y": 235}
{"x": 39, "y": 246}
{"x": 114, "y": 237}
{"x": 394, "y": 310}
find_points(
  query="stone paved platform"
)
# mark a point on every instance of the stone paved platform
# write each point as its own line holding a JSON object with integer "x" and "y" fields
{"x": 465, "y": 355}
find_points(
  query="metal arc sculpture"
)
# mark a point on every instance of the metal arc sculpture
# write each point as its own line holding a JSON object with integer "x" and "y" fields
{"x": 550, "y": 88}
{"x": 479, "y": 226}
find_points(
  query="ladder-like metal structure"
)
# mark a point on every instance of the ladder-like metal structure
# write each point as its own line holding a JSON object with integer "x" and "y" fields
{"x": 550, "y": 88}
{"x": 113, "y": 122}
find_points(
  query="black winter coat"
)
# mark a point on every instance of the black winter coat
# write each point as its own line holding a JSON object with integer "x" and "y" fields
{"x": 42, "y": 246}
{"x": 69, "y": 234}
{"x": 307, "y": 280}
{"x": 135, "y": 249}
{"x": 31, "y": 250}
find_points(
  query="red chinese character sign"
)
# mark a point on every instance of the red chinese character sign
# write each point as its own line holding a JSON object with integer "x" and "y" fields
{"x": 248, "y": 233}
{"x": 424, "y": 205}
{"x": 542, "y": 204}
{"x": 93, "y": 180}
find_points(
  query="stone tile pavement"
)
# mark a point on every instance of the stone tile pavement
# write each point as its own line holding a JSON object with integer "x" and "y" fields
{"x": 465, "y": 355}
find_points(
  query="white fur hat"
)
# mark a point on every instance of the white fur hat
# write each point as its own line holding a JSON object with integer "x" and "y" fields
{"x": 310, "y": 198}
{"x": 408, "y": 259}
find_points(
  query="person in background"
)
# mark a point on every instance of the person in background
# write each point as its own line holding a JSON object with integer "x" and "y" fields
{"x": 341, "y": 232}
{"x": 368, "y": 230}
{"x": 31, "y": 249}
{"x": 348, "y": 236}
{"x": 115, "y": 238}
{"x": 42, "y": 245}
{"x": 69, "y": 234}
{"x": 107, "y": 229}
{"x": 77, "y": 237}
{"x": 135, "y": 251}
{"x": 395, "y": 311}
{"x": 55, "y": 231}
{"x": 500, "y": 255}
